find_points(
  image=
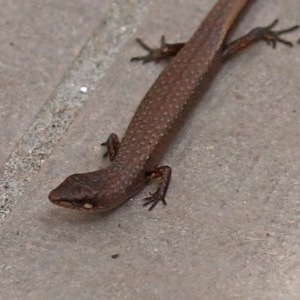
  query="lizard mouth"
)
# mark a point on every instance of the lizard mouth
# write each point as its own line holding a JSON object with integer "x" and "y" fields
{"x": 74, "y": 205}
{"x": 66, "y": 204}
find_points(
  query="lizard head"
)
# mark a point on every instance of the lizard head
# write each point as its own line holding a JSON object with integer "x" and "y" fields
{"x": 86, "y": 191}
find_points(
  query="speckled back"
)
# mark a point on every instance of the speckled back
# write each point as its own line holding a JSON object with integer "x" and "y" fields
{"x": 165, "y": 106}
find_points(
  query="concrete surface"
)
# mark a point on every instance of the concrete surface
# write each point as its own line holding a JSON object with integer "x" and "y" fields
{"x": 231, "y": 227}
{"x": 40, "y": 40}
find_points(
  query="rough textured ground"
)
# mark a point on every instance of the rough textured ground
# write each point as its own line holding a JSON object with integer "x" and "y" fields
{"x": 231, "y": 227}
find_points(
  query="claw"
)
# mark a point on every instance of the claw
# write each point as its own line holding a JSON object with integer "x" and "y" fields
{"x": 106, "y": 152}
{"x": 154, "y": 54}
{"x": 153, "y": 199}
{"x": 273, "y": 37}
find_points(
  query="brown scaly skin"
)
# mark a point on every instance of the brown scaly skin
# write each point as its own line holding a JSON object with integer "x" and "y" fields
{"x": 162, "y": 112}
{"x": 90, "y": 191}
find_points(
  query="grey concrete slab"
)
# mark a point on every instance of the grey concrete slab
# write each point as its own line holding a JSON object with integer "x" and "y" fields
{"x": 230, "y": 230}
{"x": 39, "y": 41}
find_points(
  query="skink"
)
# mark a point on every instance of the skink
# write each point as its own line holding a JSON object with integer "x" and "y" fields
{"x": 162, "y": 112}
